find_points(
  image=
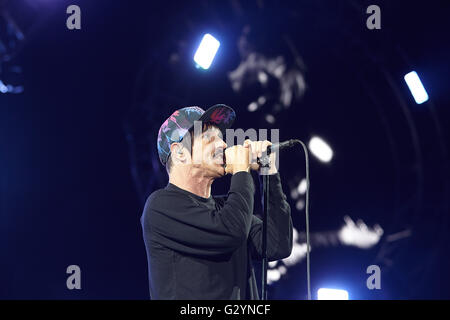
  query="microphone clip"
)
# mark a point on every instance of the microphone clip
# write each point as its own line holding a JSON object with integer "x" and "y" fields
{"x": 264, "y": 161}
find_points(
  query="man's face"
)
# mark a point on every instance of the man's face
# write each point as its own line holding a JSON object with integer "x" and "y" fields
{"x": 208, "y": 151}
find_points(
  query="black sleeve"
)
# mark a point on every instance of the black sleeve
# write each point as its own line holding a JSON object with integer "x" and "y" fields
{"x": 279, "y": 225}
{"x": 181, "y": 224}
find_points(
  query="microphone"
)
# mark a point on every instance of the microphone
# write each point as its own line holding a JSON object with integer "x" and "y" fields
{"x": 272, "y": 148}
{"x": 282, "y": 145}
{"x": 265, "y": 162}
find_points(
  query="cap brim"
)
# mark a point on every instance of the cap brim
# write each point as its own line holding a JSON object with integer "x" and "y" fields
{"x": 220, "y": 115}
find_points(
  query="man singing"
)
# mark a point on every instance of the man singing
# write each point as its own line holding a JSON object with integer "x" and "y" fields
{"x": 201, "y": 246}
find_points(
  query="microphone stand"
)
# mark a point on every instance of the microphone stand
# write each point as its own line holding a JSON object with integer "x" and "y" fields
{"x": 264, "y": 163}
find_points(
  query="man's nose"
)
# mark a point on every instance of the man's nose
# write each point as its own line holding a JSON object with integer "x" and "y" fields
{"x": 221, "y": 144}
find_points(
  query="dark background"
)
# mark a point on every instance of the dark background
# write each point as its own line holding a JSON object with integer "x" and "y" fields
{"x": 71, "y": 191}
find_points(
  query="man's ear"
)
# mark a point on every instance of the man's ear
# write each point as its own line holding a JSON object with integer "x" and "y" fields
{"x": 178, "y": 152}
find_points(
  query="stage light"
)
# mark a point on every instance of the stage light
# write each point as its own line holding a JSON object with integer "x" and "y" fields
{"x": 270, "y": 118}
{"x": 7, "y": 88}
{"x": 206, "y": 51}
{"x": 416, "y": 87}
{"x": 3, "y": 88}
{"x": 331, "y": 294}
{"x": 253, "y": 106}
{"x": 320, "y": 149}
{"x": 273, "y": 275}
{"x": 294, "y": 193}
{"x": 359, "y": 234}
{"x": 262, "y": 100}
{"x": 282, "y": 270}
{"x": 262, "y": 77}
{"x": 300, "y": 205}
{"x": 301, "y": 189}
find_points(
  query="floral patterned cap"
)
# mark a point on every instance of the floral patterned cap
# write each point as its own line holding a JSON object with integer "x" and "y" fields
{"x": 182, "y": 120}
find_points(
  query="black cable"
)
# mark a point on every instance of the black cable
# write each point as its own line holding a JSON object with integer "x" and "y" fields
{"x": 265, "y": 179}
{"x": 264, "y": 162}
{"x": 308, "y": 247}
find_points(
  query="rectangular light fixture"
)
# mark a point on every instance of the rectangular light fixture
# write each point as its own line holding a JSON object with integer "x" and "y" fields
{"x": 206, "y": 51}
{"x": 416, "y": 87}
{"x": 331, "y": 294}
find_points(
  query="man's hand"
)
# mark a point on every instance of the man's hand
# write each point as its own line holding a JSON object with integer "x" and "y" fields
{"x": 237, "y": 159}
{"x": 257, "y": 148}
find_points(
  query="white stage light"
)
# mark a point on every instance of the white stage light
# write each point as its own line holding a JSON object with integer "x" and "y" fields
{"x": 270, "y": 118}
{"x": 253, "y": 106}
{"x": 300, "y": 205}
{"x": 320, "y": 149}
{"x": 416, "y": 87}
{"x": 331, "y": 294}
{"x": 206, "y": 51}
{"x": 301, "y": 189}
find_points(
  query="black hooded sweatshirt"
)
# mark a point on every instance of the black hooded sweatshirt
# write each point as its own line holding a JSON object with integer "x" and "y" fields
{"x": 202, "y": 248}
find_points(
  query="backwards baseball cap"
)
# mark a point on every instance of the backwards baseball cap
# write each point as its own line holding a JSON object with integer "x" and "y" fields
{"x": 182, "y": 120}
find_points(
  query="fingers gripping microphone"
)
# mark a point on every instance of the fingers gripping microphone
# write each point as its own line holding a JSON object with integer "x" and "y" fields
{"x": 264, "y": 161}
